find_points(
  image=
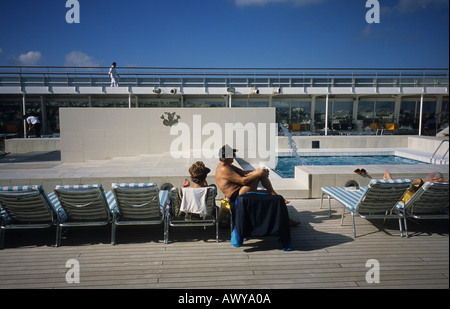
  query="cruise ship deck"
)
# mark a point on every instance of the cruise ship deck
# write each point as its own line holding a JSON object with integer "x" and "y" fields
{"x": 324, "y": 256}
{"x": 324, "y": 253}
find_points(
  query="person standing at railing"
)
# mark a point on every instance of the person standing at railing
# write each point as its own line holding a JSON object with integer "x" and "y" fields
{"x": 113, "y": 75}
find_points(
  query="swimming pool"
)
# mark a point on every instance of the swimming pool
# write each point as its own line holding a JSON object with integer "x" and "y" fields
{"x": 285, "y": 165}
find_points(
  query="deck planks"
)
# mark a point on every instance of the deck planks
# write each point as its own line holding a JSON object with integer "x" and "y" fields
{"x": 324, "y": 255}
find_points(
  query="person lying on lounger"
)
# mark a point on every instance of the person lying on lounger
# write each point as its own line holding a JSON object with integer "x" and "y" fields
{"x": 417, "y": 183}
{"x": 234, "y": 181}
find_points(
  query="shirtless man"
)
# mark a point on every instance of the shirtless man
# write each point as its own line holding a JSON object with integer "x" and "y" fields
{"x": 233, "y": 181}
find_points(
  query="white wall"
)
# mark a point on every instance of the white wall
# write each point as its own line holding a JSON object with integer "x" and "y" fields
{"x": 25, "y": 145}
{"x": 336, "y": 142}
{"x": 106, "y": 133}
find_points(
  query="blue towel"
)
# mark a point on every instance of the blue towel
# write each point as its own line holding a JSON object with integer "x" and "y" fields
{"x": 235, "y": 240}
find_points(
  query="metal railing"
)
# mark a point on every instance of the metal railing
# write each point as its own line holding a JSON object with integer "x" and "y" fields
{"x": 57, "y": 76}
{"x": 437, "y": 149}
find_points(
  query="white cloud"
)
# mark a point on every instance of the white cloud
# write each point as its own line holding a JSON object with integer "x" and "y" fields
{"x": 411, "y": 6}
{"x": 264, "y": 2}
{"x": 30, "y": 58}
{"x": 80, "y": 59}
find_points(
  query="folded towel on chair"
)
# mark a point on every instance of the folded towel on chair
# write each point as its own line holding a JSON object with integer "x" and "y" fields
{"x": 194, "y": 201}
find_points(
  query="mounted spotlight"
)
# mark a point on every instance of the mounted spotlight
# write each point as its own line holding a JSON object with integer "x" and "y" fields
{"x": 231, "y": 90}
{"x": 254, "y": 91}
{"x": 157, "y": 91}
{"x": 173, "y": 91}
{"x": 276, "y": 91}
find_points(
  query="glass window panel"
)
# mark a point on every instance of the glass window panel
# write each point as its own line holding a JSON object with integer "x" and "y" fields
{"x": 258, "y": 104}
{"x": 282, "y": 111}
{"x": 429, "y": 118}
{"x": 319, "y": 115}
{"x": 429, "y": 109}
{"x": 341, "y": 115}
{"x": 409, "y": 116}
{"x": 366, "y": 114}
{"x": 238, "y": 104}
{"x": 147, "y": 103}
{"x": 301, "y": 114}
{"x": 215, "y": 103}
{"x": 11, "y": 120}
{"x": 119, "y": 102}
{"x": 170, "y": 104}
{"x": 385, "y": 113}
{"x": 204, "y": 103}
{"x": 443, "y": 117}
{"x": 194, "y": 103}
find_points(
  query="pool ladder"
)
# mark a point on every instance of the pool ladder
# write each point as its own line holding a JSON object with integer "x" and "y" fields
{"x": 437, "y": 149}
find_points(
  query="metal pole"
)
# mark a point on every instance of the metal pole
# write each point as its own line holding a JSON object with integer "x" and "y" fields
{"x": 326, "y": 116}
{"x": 24, "y": 112}
{"x": 420, "y": 115}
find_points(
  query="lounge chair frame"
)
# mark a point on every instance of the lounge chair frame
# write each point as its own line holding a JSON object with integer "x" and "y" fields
{"x": 176, "y": 219}
{"x": 84, "y": 205}
{"x": 25, "y": 207}
{"x": 376, "y": 201}
{"x": 429, "y": 202}
{"x": 137, "y": 204}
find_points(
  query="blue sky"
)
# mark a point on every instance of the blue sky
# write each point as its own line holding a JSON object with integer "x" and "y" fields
{"x": 226, "y": 33}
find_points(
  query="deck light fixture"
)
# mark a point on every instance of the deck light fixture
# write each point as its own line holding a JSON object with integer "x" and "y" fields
{"x": 254, "y": 91}
{"x": 157, "y": 91}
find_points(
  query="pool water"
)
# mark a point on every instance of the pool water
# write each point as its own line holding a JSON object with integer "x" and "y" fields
{"x": 285, "y": 166}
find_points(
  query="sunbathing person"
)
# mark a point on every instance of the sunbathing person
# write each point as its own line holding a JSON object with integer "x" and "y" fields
{"x": 234, "y": 181}
{"x": 198, "y": 172}
{"x": 417, "y": 183}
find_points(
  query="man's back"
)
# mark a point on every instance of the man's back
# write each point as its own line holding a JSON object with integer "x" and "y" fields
{"x": 223, "y": 172}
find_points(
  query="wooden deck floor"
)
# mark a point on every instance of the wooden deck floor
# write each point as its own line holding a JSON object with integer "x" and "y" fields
{"x": 324, "y": 255}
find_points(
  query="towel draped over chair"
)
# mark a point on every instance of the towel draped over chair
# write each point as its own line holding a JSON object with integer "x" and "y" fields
{"x": 260, "y": 214}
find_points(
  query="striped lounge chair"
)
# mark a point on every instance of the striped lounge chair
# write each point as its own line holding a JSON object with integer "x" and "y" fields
{"x": 175, "y": 217}
{"x": 83, "y": 205}
{"x": 136, "y": 204}
{"x": 26, "y": 207}
{"x": 429, "y": 202}
{"x": 376, "y": 201}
